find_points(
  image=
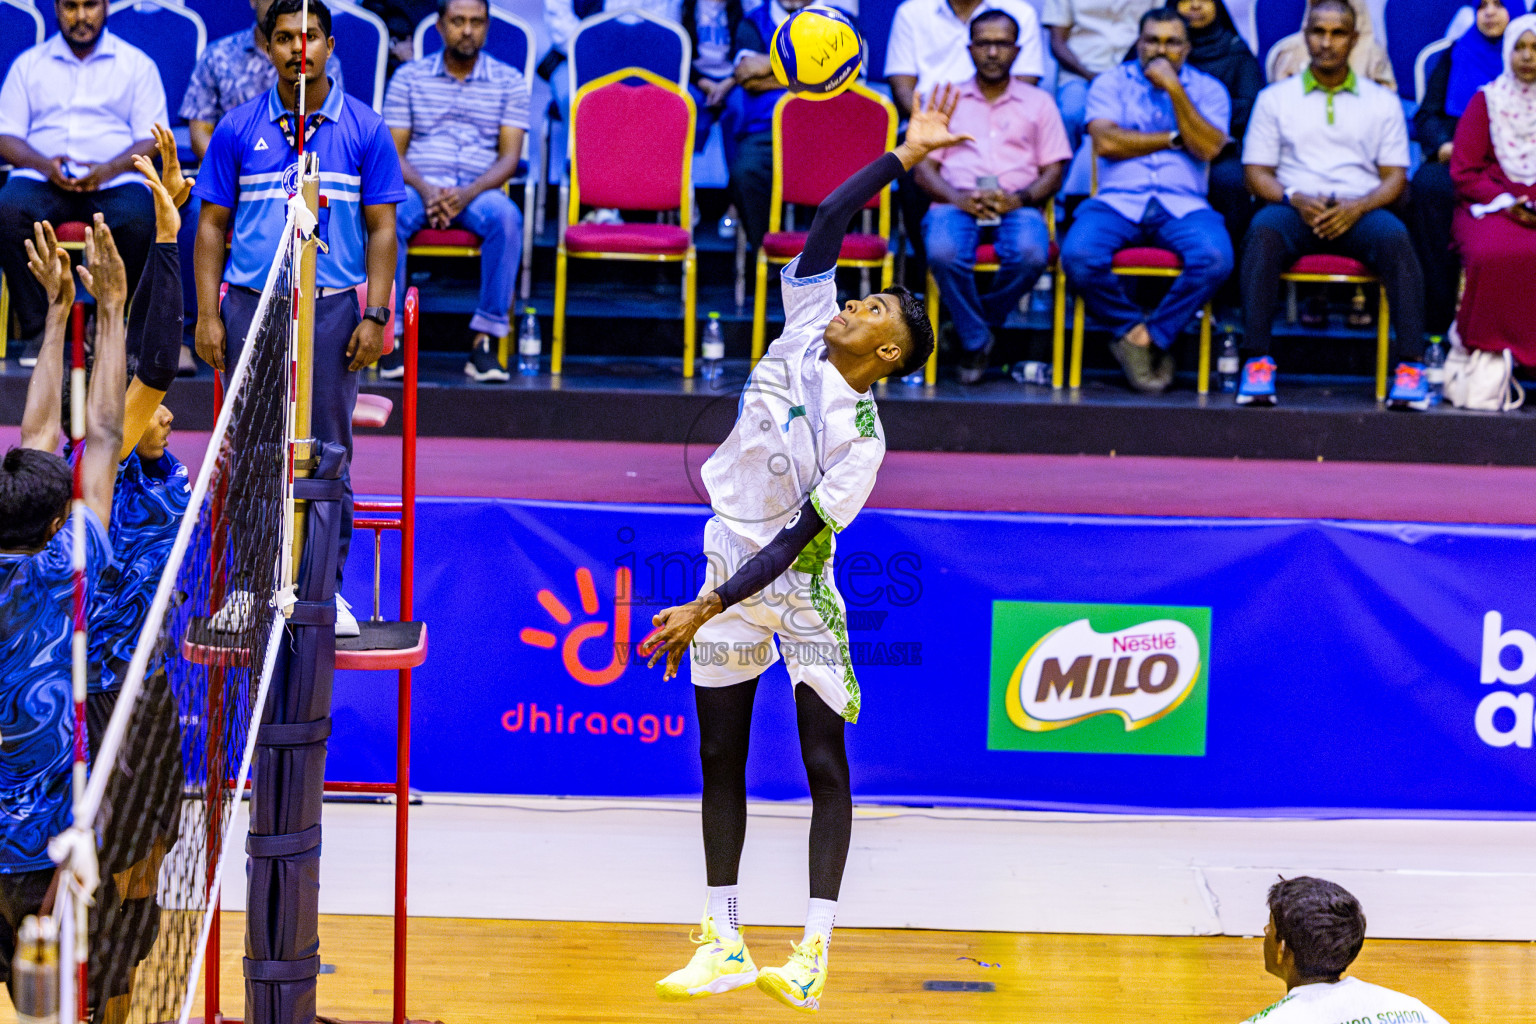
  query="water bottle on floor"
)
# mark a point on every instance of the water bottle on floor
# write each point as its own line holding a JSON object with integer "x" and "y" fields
{"x": 712, "y": 367}
{"x": 1434, "y": 368}
{"x": 529, "y": 345}
{"x": 1032, "y": 371}
{"x": 1228, "y": 364}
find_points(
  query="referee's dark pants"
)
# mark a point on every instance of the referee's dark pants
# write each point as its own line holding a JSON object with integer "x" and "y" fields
{"x": 335, "y": 389}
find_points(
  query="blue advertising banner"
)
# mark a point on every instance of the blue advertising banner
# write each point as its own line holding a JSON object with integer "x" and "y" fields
{"x": 1096, "y": 663}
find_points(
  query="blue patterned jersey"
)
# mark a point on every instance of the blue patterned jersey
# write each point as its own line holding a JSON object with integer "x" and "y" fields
{"x": 37, "y": 709}
{"x": 147, "y": 507}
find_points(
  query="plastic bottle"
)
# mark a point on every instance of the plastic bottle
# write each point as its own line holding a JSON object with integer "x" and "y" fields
{"x": 529, "y": 345}
{"x": 1228, "y": 363}
{"x": 1434, "y": 369}
{"x": 712, "y": 366}
{"x": 1032, "y": 371}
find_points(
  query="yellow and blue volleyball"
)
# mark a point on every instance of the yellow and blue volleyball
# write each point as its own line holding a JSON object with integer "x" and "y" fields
{"x": 816, "y": 52}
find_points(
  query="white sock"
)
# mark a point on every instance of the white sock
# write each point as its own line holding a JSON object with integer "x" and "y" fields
{"x": 819, "y": 915}
{"x": 722, "y": 907}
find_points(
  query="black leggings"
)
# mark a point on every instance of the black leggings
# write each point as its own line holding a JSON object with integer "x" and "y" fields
{"x": 725, "y": 726}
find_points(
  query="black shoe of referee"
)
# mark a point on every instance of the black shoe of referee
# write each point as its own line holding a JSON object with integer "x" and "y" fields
{"x": 392, "y": 364}
{"x": 483, "y": 366}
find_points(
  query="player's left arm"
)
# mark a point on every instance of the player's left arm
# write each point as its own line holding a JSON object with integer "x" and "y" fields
{"x": 676, "y": 626}
{"x": 927, "y": 131}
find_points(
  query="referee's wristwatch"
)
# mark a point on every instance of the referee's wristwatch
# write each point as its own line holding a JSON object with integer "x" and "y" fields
{"x": 378, "y": 314}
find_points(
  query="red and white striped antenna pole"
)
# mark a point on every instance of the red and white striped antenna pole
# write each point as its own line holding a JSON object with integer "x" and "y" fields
{"x": 77, "y": 397}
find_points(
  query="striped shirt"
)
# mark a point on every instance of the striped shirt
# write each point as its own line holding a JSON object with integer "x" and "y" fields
{"x": 455, "y": 126}
{"x": 250, "y": 168}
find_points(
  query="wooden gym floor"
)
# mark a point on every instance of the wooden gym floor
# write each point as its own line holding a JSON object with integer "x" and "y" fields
{"x": 491, "y": 972}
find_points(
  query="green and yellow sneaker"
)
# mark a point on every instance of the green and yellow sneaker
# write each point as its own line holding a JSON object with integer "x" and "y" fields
{"x": 799, "y": 982}
{"x": 718, "y": 966}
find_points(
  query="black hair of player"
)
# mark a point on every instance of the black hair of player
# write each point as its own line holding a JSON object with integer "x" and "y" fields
{"x": 1342, "y": 6}
{"x": 282, "y": 7}
{"x": 35, "y": 488}
{"x": 1320, "y": 922}
{"x": 1160, "y": 14}
{"x": 919, "y": 330}
{"x": 442, "y": 7}
{"x": 995, "y": 15}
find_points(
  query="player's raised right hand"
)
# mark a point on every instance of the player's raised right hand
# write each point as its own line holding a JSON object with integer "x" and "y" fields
{"x": 103, "y": 273}
{"x": 49, "y": 263}
{"x": 928, "y": 128}
{"x": 209, "y": 340}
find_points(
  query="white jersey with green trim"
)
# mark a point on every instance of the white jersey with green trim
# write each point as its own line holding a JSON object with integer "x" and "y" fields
{"x": 1350, "y": 1001}
{"x": 801, "y": 429}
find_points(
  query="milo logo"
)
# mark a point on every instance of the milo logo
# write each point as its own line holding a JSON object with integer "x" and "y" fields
{"x": 1127, "y": 679}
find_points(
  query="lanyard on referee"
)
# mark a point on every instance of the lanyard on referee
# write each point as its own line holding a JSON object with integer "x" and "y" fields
{"x": 311, "y": 124}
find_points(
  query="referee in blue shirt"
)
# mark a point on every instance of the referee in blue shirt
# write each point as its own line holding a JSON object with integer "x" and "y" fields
{"x": 248, "y": 174}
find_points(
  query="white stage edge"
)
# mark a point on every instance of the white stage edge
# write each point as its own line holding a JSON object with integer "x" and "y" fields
{"x": 641, "y": 861}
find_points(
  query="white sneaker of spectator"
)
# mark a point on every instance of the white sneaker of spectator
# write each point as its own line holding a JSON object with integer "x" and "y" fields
{"x": 237, "y": 613}
{"x": 346, "y": 622}
{"x": 603, "y": 216}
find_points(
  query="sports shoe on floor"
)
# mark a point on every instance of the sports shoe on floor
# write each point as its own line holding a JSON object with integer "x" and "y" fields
{"x": 237, "y": 613}
{"x": 392, "y": 364}
{"x": 483, "y": 366}
{"x": 346, "y": 622}
{"x": 1142, "y": 366}
{"x": 799, "y": 982}
{"x": 24, "y": 352}
{"x": 718, "y": 966}
{"x": 973, "y": 362}
{"x": 1256, "y": 384}
{"x": 186, "y": 365}
{"x": 1410, "y": 388}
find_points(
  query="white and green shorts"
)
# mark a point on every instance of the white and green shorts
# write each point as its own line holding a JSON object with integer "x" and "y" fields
{"x": 802, "y": 609}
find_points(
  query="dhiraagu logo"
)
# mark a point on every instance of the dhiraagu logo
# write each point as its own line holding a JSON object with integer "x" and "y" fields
{"x": 1098, "y": 678}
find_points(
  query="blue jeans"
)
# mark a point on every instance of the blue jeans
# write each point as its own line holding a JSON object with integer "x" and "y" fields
{"x": 1023, "y": 249}
{"x": 1200, "y": 239}
{"x": 1072, "y": 99}
{"x": 499, "y": 223}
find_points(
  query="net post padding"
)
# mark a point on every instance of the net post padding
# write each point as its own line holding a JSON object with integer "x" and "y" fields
{"x": 185, "y": 714}
{"x": 282, "y": 916}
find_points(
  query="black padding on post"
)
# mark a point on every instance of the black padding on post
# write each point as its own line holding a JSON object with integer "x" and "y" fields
{"x": 313, "y": 613}
{"x": 297, "y": 734}
{"x": 307, "y": 841}
{"x": 282, "y": 970}
{"x": 315, "y": 489}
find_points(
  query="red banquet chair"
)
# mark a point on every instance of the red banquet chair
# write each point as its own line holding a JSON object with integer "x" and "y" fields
{"x": 1327, "y": 268}
{"x": 1140, "y": 261}
{"x": 806, "y": 170}
{"x": 71, "y": 236}
{"x": 631, "y": 148}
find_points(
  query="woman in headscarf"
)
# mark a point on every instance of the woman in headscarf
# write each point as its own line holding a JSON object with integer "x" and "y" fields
{"x": 1493, "y": 164}
{"x": 1472, "y": 62}
{"x": 1369, "y": 58}
{"x": 1218, "y": 50}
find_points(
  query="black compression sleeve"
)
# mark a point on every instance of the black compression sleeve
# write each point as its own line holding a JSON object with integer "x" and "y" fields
{"x": 825, "y": 239}
{"x": 769, "y": 563}
{"x": 156, "y": 319}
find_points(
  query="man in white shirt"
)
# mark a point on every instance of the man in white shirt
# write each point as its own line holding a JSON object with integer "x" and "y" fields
{"x": 1315, "y": 931}
{"x": 1088, "y": 38}
{"x": 1329, "y": 152}
{"x": 74, "y": 112}
{"x": 930, "y": 45}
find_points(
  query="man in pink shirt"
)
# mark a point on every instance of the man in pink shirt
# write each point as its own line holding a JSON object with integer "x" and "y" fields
{"x": 998, "y": 182}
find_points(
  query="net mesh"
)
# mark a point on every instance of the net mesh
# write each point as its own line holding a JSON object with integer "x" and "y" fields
{"x": 185, "y": 715}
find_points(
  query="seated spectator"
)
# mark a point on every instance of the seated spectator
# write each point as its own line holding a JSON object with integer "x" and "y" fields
{"x": 929, "y": 42}
{"x": 400, "y": 18}
{"x": 563, "y": 17}
{"x": 1472, "y": 62}
{"x": 1315, "y": 931}
{"x": 1494, "y": 167}
{"x": 1329, "y": 152}
{"x": 1088, "y": 38}
{"x": 74, "y": 111}
{"x": 232, "y": 70}
{"x": 1156, "y": 123}
{"x": 1218, "y": 50}
{"x": 711, "y": 25}
{"x": 752, "y": 166}
{"x": 1010, "y": 169}
{"x": 1369, "y": 58}
{"x": 458, "y": 119}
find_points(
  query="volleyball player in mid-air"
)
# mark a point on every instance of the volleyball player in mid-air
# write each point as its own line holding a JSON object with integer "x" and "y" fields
{"x": 141, "y": 809}
{"x": 797, "y": 468}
